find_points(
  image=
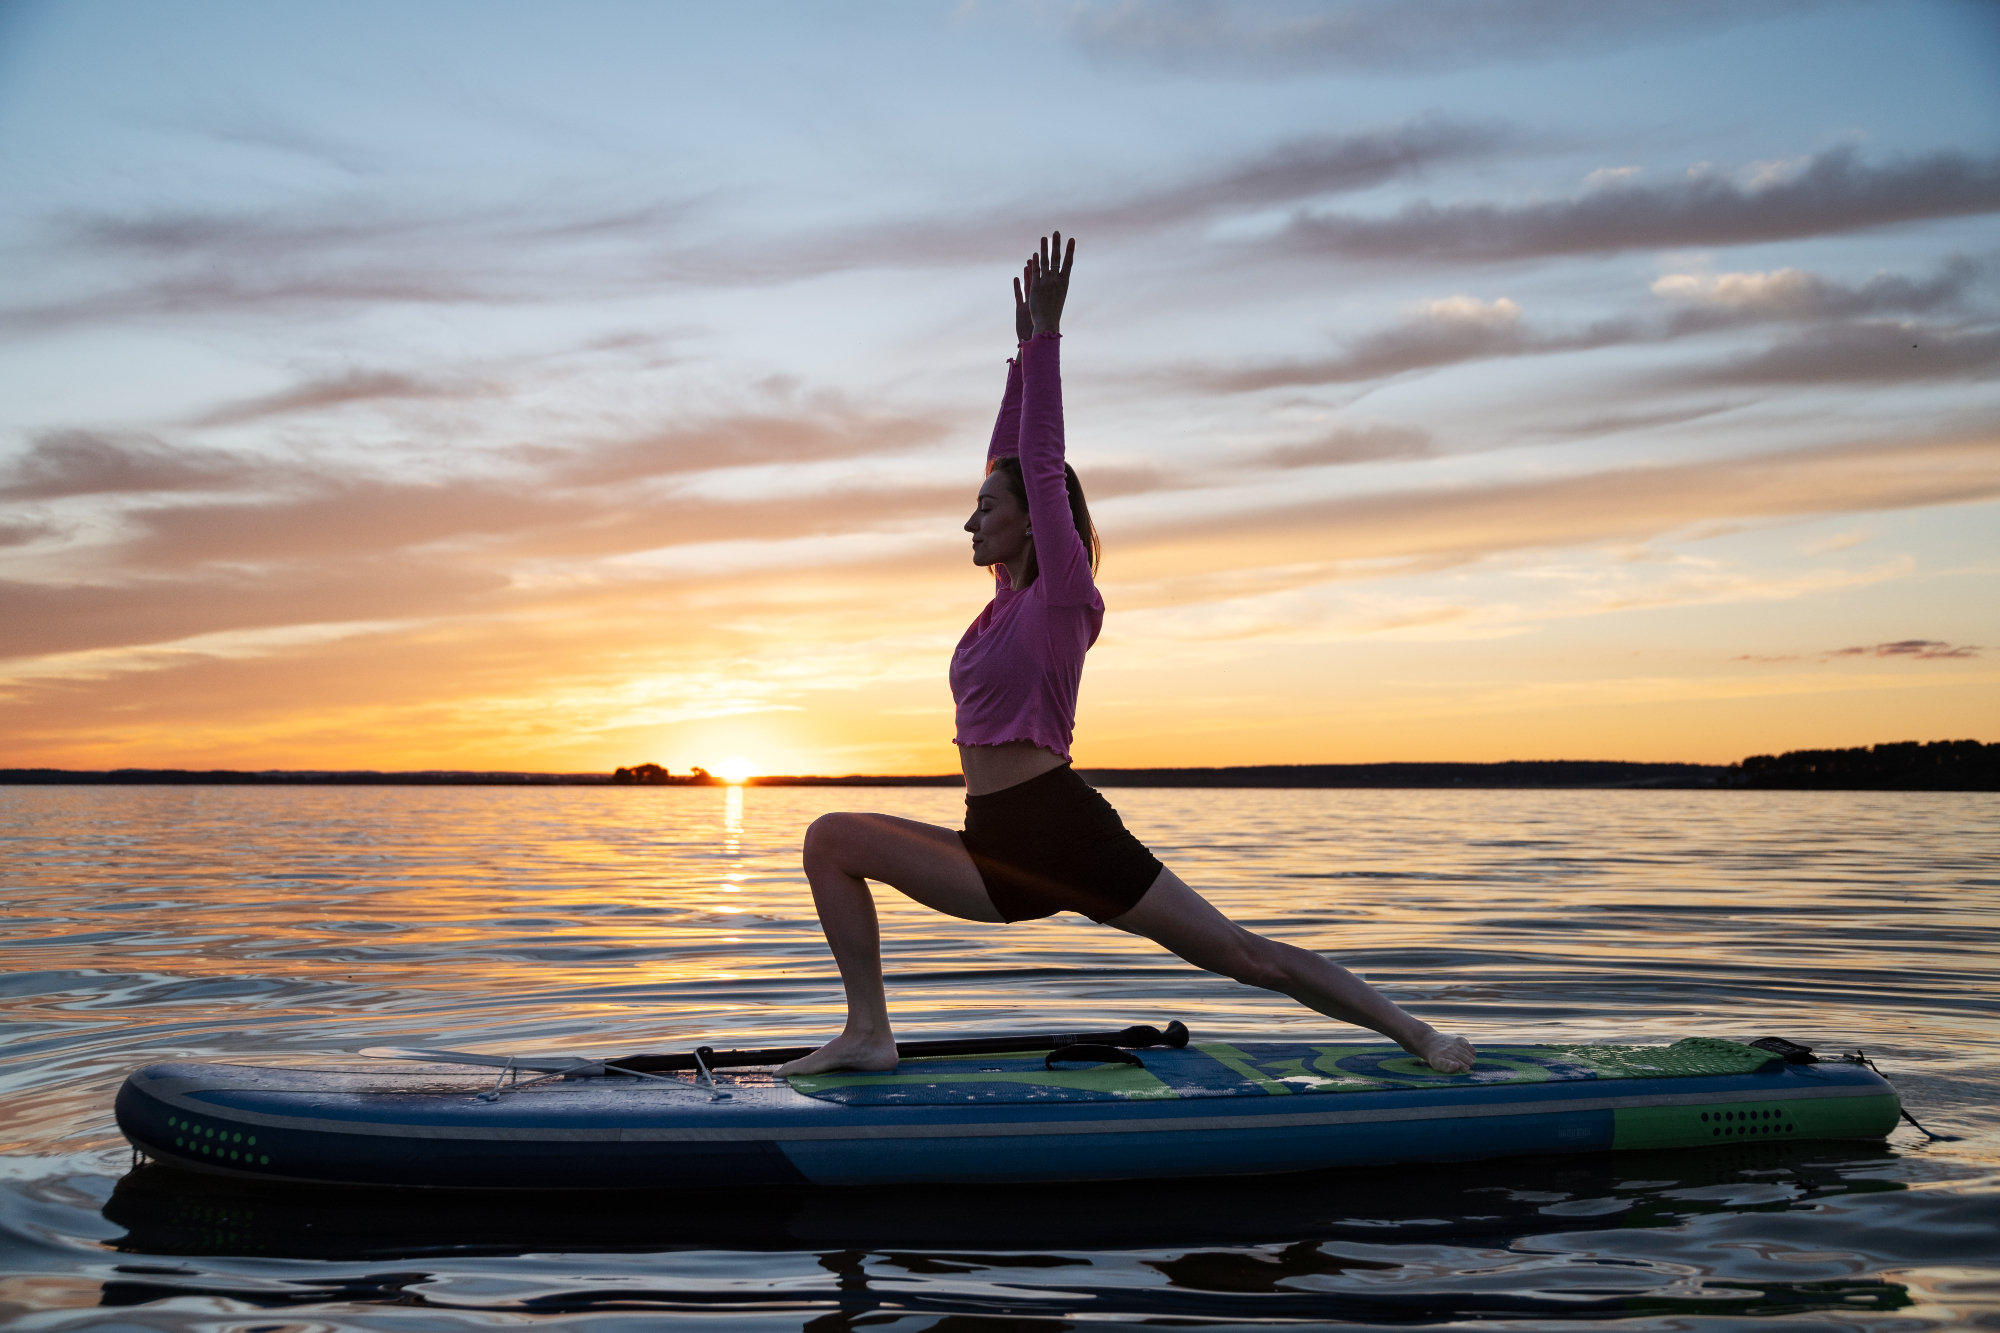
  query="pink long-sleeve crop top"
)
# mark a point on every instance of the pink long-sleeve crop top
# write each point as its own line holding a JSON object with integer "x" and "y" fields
{"x": 1015, "y": 673}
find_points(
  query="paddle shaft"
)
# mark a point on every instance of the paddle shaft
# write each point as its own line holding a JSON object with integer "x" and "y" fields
{"x": 1176, "y": 1035}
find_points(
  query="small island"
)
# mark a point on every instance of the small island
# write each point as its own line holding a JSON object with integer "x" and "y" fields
{"x": 653, "y": 775}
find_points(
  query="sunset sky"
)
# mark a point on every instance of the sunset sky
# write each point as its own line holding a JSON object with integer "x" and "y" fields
{"x": 561, "y": 386}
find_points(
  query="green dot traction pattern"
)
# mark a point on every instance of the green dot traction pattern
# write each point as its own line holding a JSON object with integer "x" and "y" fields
{"x": 1272, "y": 1069}
{"x": 217, "y": 1144}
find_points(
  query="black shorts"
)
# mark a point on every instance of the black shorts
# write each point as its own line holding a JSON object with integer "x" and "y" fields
{"x": 1052, "y": 844}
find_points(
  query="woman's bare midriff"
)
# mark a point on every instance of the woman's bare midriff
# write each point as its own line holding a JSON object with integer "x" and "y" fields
{"x": 990, "y": 768}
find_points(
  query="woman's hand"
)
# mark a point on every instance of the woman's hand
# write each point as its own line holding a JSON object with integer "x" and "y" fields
{"x": 1024, "y": 323}
{"x": 1048, "y": 285}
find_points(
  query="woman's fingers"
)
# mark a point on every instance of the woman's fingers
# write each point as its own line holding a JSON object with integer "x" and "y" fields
{"x": 1052, "y": 260}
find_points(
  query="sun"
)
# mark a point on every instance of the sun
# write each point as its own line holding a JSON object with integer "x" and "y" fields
{"x": 736, "y": 770}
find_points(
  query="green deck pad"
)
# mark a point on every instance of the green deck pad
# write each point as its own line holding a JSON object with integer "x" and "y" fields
{"x": 1263, "y": 1069}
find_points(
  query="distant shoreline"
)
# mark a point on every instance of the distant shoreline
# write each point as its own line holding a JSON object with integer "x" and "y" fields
{"x": 1519, "y": 773}
{"x": 1903, "y": 766}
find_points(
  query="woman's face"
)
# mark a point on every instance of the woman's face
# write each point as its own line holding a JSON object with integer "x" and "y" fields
{"x": 999, "y": 524}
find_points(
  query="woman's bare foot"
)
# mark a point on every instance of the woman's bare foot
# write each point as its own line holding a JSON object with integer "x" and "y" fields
{"x": 847, "y": 1051}
{"x": 1445, "y": 1053}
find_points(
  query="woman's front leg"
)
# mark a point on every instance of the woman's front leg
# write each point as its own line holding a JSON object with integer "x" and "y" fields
{"x": 842, "y": 853}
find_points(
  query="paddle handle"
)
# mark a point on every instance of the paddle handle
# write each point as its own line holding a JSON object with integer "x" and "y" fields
{"x": 1140, "y": 1037}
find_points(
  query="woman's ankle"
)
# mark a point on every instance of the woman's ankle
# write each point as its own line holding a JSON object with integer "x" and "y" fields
{"x": 1413, "y": 1037}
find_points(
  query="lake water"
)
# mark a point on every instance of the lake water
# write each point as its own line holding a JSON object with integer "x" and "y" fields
{"x": 277, "y": 924}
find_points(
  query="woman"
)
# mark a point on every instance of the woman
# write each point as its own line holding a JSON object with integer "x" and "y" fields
{"x": 1037, "y": 840}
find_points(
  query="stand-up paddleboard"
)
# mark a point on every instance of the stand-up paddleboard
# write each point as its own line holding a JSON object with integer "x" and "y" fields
{"x": 1007, "y": 1110}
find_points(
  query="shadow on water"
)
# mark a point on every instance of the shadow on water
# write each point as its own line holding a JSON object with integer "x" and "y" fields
{"x": 1257, "y": 1248}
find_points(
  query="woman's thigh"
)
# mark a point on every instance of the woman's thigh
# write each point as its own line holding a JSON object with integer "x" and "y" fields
{"x": 1175, "y": 916}
{"x": 921, "y": 861}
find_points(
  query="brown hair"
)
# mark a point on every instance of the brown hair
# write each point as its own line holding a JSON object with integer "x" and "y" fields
{"x": 1079, "y": 510}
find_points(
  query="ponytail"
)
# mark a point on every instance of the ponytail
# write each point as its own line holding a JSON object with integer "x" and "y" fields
{"x": 1079, "y": 510}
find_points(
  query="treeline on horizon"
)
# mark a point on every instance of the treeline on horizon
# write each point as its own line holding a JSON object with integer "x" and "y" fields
{"x": 1898, "y": 766}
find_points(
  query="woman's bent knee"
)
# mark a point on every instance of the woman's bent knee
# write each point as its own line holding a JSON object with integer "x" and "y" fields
{"x": 832, "y": 836}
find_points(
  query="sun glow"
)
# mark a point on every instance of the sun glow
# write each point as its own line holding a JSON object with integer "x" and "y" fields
{"x": 736, "y": 770}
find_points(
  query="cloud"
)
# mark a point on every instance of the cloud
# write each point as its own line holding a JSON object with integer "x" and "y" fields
{"x": 1461, "y": 329}
{"x": 1443, "y": 333}
{"x": 354, "y": 386}
{"x": 1923, "y": 650}
{"x": 1831, "y": 193}
{"x": 79, "y": 462}
{"x": 1604, "y": 176}
{"x": 345, "y": 517}
{"x": 426, "y": 648}
{"x": 345, "y": 252}
{"x": 19, "y": 533}
{"x": 819, "y": 428}
{"x": 285, "y": 545}
{"x": 1261, "y": 38}
{"x": 333, "y": 253}
{"x": 44, "y": 618}
{"x": 1617, "y": 423}
{"x": 1867, "y": 352}
{"x": 187, "y": 542}
{"x": 1303, "y": 169}
{"x": 1620, "y": 505}
{"x": 1795, "y": 294}
{"x": 265, "y": 128}
{"x": 1294, "y": 172}
{"x": 523, "y": 679}
{"x": 1789, "y": 295}
{"x": 489, "y": 522}
{"x": 281, "y": 293}
{"x": 1350, "y": 444}
{"x": 493, "y": 522}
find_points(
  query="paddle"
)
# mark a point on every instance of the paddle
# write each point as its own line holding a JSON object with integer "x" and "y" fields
{"x": 704, "y": 1058}
{"x": 541, "y": 1064}
{"x": 550, "y": 1067}
{"x": 1176, "y": 1035}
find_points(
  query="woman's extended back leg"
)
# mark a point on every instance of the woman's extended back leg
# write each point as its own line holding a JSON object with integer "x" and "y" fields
{"x": 1174, "y": 915}
{"x": 842, "y": 853}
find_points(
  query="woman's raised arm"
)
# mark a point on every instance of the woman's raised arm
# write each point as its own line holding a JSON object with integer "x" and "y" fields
{"x": 1007, "y": 428}
{"x": 1062, "y": 560}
